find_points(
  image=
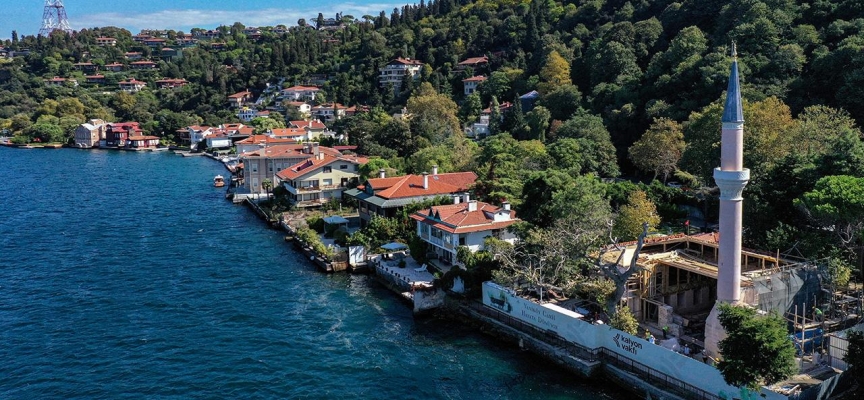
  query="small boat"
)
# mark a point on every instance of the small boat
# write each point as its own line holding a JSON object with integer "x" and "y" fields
{"x": 218, "y": 181}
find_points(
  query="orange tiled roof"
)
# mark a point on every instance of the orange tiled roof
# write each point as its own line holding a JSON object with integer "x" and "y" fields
{"x": 412, "y": 185}
{"x": 475, "y": 60}
{"x": 455, "y": 218}
{"x": 479, "y": 78}
{"x": 315, "y": 124}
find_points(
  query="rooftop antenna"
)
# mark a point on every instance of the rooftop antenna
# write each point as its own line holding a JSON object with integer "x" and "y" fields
{"x": 54, "y": 18}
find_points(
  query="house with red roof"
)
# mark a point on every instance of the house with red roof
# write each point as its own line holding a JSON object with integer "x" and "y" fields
{"x": 299, "y": 93}
{"x": 132, "y": 85}
{"x": 398, "y": 69}
{"x": 239, "y": 99}
{"x": 116, "y": 134}
{"x": 58, "y": 81}
{"x": 466, "y": 223}
{"x": 316, "y": 180}
{"x": 142, "y": 65}
{"x": 95, "y": 79}
{"x": 265, "y": 162}
{"x": 142, "y": 142}
{"x": 472, "y": 83}
{"x": 386, "y": 197}
{"x": 106, "y": 41}
{"x": 114, "y": 67}
{"x": 473, "y": 62}
{"x": 328, "y": 112}
{"x": 258, "y": 142}
{"x": 314, "y": 128}
{"x": 168, "y": 83}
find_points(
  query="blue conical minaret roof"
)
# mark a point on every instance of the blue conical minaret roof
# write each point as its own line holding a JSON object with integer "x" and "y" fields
{"x": 732, "y": 112}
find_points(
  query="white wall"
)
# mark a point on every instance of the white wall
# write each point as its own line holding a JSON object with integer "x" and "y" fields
{"x": 684, "y": 368}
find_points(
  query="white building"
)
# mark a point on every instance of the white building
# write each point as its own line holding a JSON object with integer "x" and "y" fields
{"x": 300, "y": 93}
{"x": 396, "y": 70}
{"x": 472, "y": 83}
{"x": 465, "y": 223}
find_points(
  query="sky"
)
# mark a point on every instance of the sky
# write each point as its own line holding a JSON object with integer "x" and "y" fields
{"x": 25, "y": 16}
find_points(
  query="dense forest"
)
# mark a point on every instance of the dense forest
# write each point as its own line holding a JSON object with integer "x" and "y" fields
{"x": 629, "y": 97}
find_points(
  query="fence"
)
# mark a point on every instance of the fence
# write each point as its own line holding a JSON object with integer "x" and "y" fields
{"x": 649, "y": 375}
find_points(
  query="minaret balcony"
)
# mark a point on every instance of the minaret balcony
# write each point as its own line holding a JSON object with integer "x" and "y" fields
{"x": 731, "y": 183}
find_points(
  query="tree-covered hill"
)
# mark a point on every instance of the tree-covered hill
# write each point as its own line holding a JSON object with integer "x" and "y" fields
{"x": 608, "y": 73}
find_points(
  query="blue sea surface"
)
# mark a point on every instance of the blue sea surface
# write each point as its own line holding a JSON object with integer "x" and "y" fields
{"x": 128, "y": 275}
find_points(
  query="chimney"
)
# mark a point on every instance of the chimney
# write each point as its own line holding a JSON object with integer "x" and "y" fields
{"x": 472, "y": 205}
{"x": 506, "y": 206}
{"x": 425, "y": 180}
{"x": 466, "y": 197}
{"x": 435, "y": 170}
{"x": 382, "y": 173}
{"x": 456, "y": 199}
{"x": 315, "y": 150}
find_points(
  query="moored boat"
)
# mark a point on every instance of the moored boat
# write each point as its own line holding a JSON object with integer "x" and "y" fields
{"x": 218, "y": 181}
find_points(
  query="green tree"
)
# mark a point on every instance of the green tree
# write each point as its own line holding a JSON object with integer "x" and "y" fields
{"x": 659, "y": 149}
{"x": 624, "y": 320}
{"x": 638, "y": 211}
{"x": 554, "y": 74}
{"x": 537, "y": 121}
{"x": 562, "y": 101}
{"x": 598, "y": 152}
{"x": 756, "y": 350}
{"x": 836, "y": 204}
{"x": 433, "y": 115}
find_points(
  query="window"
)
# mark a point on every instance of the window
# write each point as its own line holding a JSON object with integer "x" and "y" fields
{"x": 328, "y": 182}
{"x": 356, "y": 167}
{"x": 343, "y": 166}
{"x": 327, "y": 170}
{"x": 461, "y": 240}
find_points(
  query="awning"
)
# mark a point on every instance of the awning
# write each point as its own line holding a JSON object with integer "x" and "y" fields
{"x": 335, "y": 220}
{"x": 394, "y": 246}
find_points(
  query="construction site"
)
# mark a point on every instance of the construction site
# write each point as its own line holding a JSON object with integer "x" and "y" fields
{"x": 676, "y": 288}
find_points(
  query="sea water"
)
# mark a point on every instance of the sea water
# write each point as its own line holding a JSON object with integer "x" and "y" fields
{"x": 128, "y": 275}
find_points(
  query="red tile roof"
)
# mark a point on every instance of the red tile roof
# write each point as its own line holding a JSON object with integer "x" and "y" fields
{"x": 455, "y": 218}
{"x": 475, "y": 79}
{"x": 239, "y": 95}
{"x": 412, "y": 185}
{"x": 475, "y": 61}
{"x": 406, "y": 61}
{"x": 315, "y": 124}
{"x": 299, "y": 88}
{"x": 264, "y": 139}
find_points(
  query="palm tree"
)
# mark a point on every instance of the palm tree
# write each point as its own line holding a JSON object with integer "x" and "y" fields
{"x": 267, "y": 184}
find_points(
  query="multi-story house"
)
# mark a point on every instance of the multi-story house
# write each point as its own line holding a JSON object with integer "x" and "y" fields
{"x": 133, "y": 55}
{"x": 258, "y": 142}
{"x": 473, "y": 62}
{"x": 142, "y": 65}
{"x": 304, "y": 93}
{"x": 386, "y": 197}
{"x": 106, "y": 41}
{"x": 171, "y": 83}
{"x": 266, "y": 162}
{"x": 314, "y": 181}
{"x": 328, "y": 112}
{"x": 238, "y": 100}
{"x": 58, "y": 81}
{"x": 132, "y": 85}
{"x": 395, "y": 71}
{"x": 314, "y": 128}
{"x": 88, "y": 134}
{"x": 142, "y": 142}
{"x": 94, "y": 79}
{"x": 85, "y": 67}
{"x": 114, "y": 67}
{"x": 465, "y": 223}
{"x": 116, "y": 134}
{"x": 472, "y": 83}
